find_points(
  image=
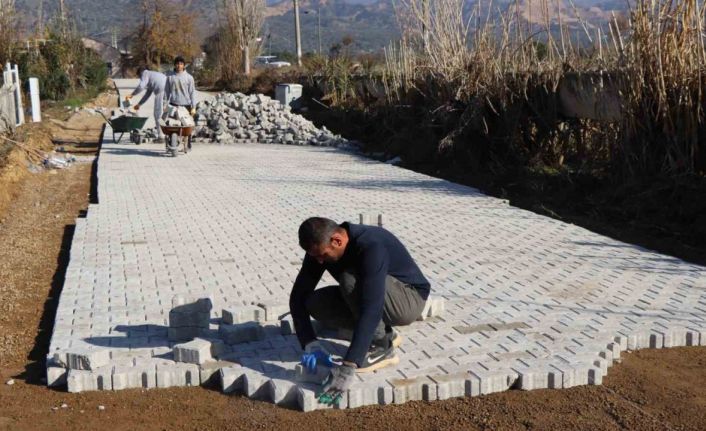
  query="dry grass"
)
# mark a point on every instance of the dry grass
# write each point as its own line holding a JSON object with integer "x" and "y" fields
{"x": 512, "y": 69}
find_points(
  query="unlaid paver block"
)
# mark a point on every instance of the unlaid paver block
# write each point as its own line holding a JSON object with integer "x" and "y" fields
{"x": 87, "y": 359}
{"x": 434, "y": 307}
{"x": 189, "y": 319}
{"x": 125, "y": 377}
{"x": 286, "y": 326}
{"x": 274, "y": 310}
{"x": 241, "y": 333}
{"x": 99, "y": 379}
{"x": 198, "y": 351}
{"x": 243, "y": 314}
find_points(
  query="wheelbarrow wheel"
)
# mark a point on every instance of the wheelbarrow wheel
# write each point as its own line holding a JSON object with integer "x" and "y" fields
{"x": 174, "y": 144}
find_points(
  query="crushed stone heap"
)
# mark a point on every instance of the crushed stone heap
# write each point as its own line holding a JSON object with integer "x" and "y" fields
{"x": 232, "y": 118}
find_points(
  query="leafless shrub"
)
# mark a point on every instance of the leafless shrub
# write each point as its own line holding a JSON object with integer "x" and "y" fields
{"x": 8, "y": 29}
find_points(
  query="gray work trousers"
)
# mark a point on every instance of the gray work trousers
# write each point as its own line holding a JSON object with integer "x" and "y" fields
{"x": 339, "y": 306}
{"x": 157, "y": 112}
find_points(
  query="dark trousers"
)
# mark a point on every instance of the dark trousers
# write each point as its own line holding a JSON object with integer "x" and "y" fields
{"x": 339, "y": 306}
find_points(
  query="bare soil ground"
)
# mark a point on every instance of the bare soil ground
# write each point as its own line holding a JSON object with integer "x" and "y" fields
{"x": 649, "y": 390}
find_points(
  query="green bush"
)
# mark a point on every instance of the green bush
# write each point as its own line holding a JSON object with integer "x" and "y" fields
{"x": 63, "y": 66}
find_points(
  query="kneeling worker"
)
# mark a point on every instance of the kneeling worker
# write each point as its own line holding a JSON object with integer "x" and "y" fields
{"x": 380, "y": 286}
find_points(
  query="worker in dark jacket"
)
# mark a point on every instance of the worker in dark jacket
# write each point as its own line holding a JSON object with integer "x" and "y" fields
{"x": 380, "y": 286}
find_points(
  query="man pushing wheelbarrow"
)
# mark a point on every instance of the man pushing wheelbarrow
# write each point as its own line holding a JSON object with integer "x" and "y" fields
{"x": 180, "y": 96}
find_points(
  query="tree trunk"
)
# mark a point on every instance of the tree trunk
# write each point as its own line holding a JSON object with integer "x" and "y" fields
{"x": 246, "y": 60}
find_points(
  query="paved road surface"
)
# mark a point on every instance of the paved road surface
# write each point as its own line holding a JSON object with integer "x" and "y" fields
{"x": 529, "y": 301}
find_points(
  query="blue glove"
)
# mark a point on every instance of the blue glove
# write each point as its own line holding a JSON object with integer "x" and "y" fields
{"x": 315, "y": 354}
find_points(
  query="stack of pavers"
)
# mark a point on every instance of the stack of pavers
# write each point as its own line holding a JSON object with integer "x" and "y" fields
{"x": 233, "y": 118}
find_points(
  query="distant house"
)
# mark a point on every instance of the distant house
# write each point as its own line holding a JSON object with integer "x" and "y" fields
{"x": 111, "y": 56}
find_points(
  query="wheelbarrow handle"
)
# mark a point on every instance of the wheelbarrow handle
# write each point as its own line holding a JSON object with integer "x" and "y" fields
{"x": 104, "y": 117}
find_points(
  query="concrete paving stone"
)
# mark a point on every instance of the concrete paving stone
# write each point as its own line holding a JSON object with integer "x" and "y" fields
{"x": 186, "y": 333}
{"x": 362, "y": 395}
{"x": 304, "y": 376}
{"x": 274, "y": 310}
{"x": 195, "y": 319}
{"x": 99, "y": 379}
{"x": 125, "y": 377}
{"x": 255, "y": 385}
{"x": 490, "y": 263}
{"x": 307, "y": 398}
{"x": 87, "y": 358}
{"x": 241, "y": 333}
{"x": 177, "y": 374}
{"x": 282, "y": 392}
{"x": 490, "y": 382}
{"x": 198, "y": 350}
{"x": 56, "y": 376}
{"x": 209, "y": 372}
{"x": 415, "y": 389}
{"x": 287, "y": 326}
{"x": 243, "y": 314}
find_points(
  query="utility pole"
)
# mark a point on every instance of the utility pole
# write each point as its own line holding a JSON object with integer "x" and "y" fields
{"x": 297, "y": 33}
{"x": 318, "y": 17}
{"x": 425, "y": 24}
{"x": 41, "y": 19}
{"x": 62, "y": 15}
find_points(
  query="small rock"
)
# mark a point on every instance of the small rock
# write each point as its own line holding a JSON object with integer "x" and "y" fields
{"x": 64, "y": 406}
{"x": 10, "y": 382}
{"x": 101, "y": 408}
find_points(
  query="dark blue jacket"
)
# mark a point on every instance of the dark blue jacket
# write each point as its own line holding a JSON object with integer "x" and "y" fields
{"x": 372, "y": 253}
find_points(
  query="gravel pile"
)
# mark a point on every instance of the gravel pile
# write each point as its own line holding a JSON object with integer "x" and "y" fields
{"x": 235, "y": 117}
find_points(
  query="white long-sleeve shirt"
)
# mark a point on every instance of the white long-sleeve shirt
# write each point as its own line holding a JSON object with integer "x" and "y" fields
{"x": 181, "y": 89}
{"x": 153, "y": 82}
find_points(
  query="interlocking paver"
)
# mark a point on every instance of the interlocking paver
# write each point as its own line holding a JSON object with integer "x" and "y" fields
{"x": 521, "y": 300}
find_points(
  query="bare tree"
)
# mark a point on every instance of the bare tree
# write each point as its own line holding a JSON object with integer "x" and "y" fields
{"x": 167, "y": 30}
{"x": 244, "y": 20}
{"x": 8, "y": 29}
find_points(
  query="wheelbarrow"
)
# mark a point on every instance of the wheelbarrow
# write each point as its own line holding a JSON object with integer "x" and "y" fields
{"x": 174, "y": 135}
{"x": 124, "y": 124}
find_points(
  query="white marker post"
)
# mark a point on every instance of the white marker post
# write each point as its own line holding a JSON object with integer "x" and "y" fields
{"x": 18, "y": 95}
{"x": 34, "y": 97}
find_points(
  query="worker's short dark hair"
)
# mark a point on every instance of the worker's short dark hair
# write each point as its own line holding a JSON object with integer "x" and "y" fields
{"x": 316, "y": 231}
{"x": 179, "y": 59}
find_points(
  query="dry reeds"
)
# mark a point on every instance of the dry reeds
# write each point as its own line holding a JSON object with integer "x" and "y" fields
{"x": 514, "y": 60}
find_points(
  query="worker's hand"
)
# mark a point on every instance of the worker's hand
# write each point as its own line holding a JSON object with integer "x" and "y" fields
{"x": 193, "y": 111}
{"x": 128, "y": 97}
{"x": 314, "y": 355}
{"x": 336, "y": 384}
